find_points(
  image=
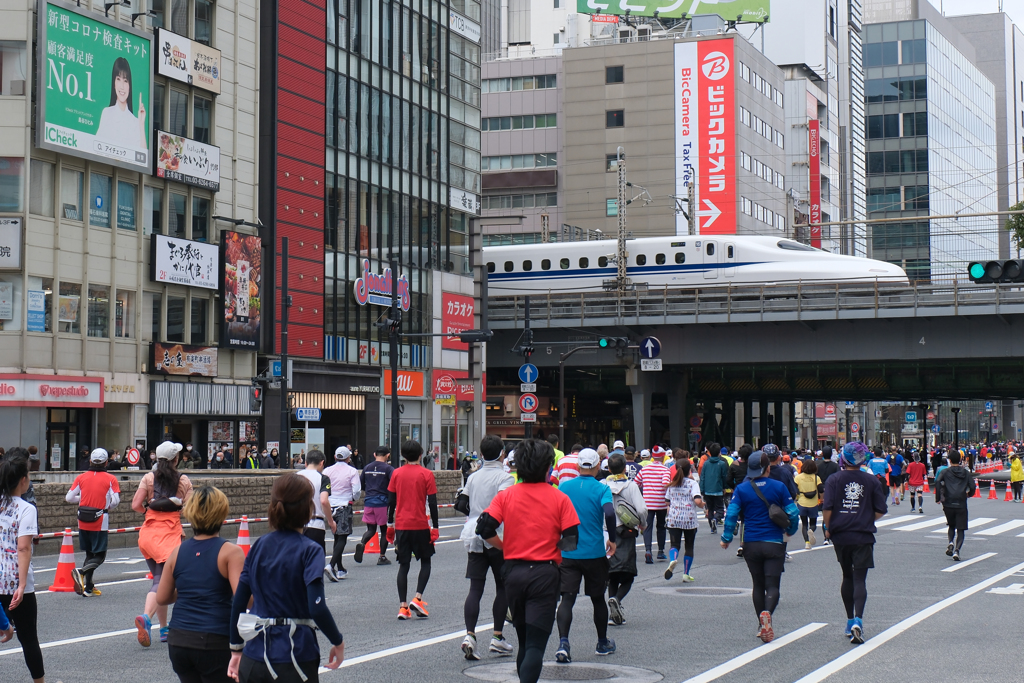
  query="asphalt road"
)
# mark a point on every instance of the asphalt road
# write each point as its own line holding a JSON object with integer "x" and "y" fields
{"x": 922, "y": 621}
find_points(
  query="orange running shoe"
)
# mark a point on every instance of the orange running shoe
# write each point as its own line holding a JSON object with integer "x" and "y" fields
{"x": 419, "y": 607}
{"x": 767, "y": 632}
{"x": 404, "y": 613}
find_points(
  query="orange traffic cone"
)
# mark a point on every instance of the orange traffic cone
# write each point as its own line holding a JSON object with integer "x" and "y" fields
{"x": 1009, "y": 494}
{"x": 977, "y": 490}
{"x": 372, "y": 546}
{"x": 992, "y": 491}
{"x": 62, "y": 581}
{"x": 243, "y": 535}
{"x": 926, "y": 489}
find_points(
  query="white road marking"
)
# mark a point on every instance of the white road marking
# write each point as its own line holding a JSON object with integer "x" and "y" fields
{"x": 81, "y": 639}
{"x": 895, "y": 520}
{"x": 404, "y": 648}
{"x": 885, "y": 636}
{"x": 922, "y": 525}
{"x": 967, "y": 563}
{"x": 756, "y": 653}
{"x": 807, "y": 550}
{"x": 108, "y": 583}
{"x": 996, "y": 530}
{"x": 980, "y": 521}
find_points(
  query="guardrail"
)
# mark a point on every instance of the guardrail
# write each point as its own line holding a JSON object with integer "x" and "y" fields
{"x": 766, "y": 303}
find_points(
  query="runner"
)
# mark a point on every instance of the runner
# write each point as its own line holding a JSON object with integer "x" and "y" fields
{"x": 345, "y": 488}
{"x": 321, "y": 483}
{"x": 412, "y": 489}
{"x": 553, "y": 440}
{"x": 632, "y": 467}
{"x": 897, "y": 463}
{"x": 879, "y": 466}
{"x": 653, "y": 479}
{"x": 763, "y": 548}
{"x": 588, "y": 562}
{"x": 684, "y": 497}
{"x": 160, "y": 496}
{"x": 713, "y": 476}
{"x": 853, "y": 501}
{"x": 737, "y": 473}
{"x": 916, "y": 473}
{"x": 809, "y": 485}
{"x": 567, "y": 467}
{"x": 482, "y": 487}
{"x": 374, "y": 479}
{"x": 1017, "y": 478}
{"x": 953, "y": 486}
{"x": 531, "y": 544}
{"x": 96, "y": 493}
{"x": 632, "y": 515}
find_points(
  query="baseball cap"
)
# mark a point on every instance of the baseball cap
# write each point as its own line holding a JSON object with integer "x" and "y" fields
{"x": 168, "y": 450}
{"x": 617, "y": 445}
{"x": 99, "y": 455}
{"x": 757, "y": 463}
{"x": 645, "y": 454}
{"x": 770, "y": 450}
{"x": 724, "y": 451}
{"x": 342, "y": 453}
{"x": 589, "y": 458}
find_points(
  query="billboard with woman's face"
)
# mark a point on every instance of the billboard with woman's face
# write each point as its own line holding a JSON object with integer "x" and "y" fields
{"x": 95, "y": 83}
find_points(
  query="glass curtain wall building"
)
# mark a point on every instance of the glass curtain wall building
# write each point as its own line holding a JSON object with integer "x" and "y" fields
{"x": 931, "y": 150}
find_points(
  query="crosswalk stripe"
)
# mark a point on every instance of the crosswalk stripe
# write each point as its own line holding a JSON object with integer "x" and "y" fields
{"x": 1008, "y": 526}
{"x": 922, "y": 525}
{"x": 974, "y": 523}
{"x": 895, "y": 520}
{"x": 967, "y": 563}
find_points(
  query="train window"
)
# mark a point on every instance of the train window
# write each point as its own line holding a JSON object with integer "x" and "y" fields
{"x": 602, "y": 261}
{"x": 584, "y": 262}
{"x": 490, "y": 266}
{"x": 660, "y": 259}
{"x": 794, "y": 246}
{"x": 729, "y": 252}
{"x": 508, "y": 266}
{"x": 641, "y": 260}
{"x": 545, "y": 264}
{"x": 564, "y": 264}
{"x": 680, "y": 257}
{"x": 527, "y": 265}
{"x": 711, "y": 248}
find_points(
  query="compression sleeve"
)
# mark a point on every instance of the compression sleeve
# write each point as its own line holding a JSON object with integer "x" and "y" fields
{"x": 318, "y": 610}
{"x": 432, "y": 502}
{"x": 238, "y": 606}
{"x": 569, "y": 539}
{"x": 732, "y": 517}
{"x": 392, "y": 502}
{"x": 610, "y": 520}
{"x": 487, "y": 526}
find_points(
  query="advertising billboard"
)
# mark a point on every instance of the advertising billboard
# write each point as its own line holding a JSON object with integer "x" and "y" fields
{"x": 242, "y": 256}
{"x": 187, "y": 61}
{"x": 95, "y": 87}
{"x": 814, "y": 161}
{"x": 187, "y": 161}
{"x": 183, "y": 262}
{"x": 183, "y": 359}
{"x": 730, "y": 10}
{"x": 705, "y": 123}
{"x": 456, "y": 316}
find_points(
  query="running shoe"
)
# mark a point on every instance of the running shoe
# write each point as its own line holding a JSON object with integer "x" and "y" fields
{"x": 921, "y": 511}
{"x": 810, "y": 537}
{"x": 661, "y": 555}
{"x": 79, "y": 580}
{"x": 671, "y": 568}
{"x": 358, "y": 557}
{"x": 163, "y": 633}
{"x": 614, "y": 611}
{"x": 687, "y": 578}
{"x": 404, "y": 613}
{"x": 500, "y": 647}
{"x": 329, "y": 570}
{"x": 739, "y": 551}
{"x": 648, "y": 558}
{"x": 605, "y": 646}
{"x": 956, "y": 555}
{"x": 714, "y": 526}
{"x": 469, "y": 647}
{"x": 766, "y": 635}
{"x": 562, "y": 655}
{"x": 419, "y": 607}
{"x": 94, "y": 593}
{"x": 857, "y": 631}
{"x": 949, "y": 550}
{"x": 341, "y": 574}
{"x": 848, "y": 631}
{"x": 711, "y": 524}
{"x": 807, "y": 545}
{"x": 383, "y": 560}
{"x": 144, "y": 625}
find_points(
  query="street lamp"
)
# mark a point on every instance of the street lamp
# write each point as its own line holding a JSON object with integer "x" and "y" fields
{"x": 956, "y": 428}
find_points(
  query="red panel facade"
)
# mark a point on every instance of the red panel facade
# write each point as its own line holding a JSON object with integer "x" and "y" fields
{"x": 301, "y": 92}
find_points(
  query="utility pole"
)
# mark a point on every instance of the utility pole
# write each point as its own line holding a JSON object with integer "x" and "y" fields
{"x": 545, "y": 229}
{"x": 284, "y": 452}
{"x": 478, "y": 351}
{"x": 525, "y": 349}
{"x": 620, "y": 251}
{"x": 691, "y": 203}
{"x": 394, "y": 324}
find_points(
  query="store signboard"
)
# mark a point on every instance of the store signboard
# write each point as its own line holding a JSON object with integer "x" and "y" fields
{"x": 454, "y": 385}
{"x": 463, "y": 26}
{"x": 183, "y": 262}
{"x": 183, "y": 359}
{"x": 10, "y": 244}
{"x": 95, "y": 87}
{"x": 54, "y": 391}
{"x": 36, "y": 310}
{"x": 188, "y": 61}
{"x": 376, "y": 289}
{"x": 410, "y": 383}
{"x": 746, "y": 10}
{"x": 186, "y": 161}
{"x": 242, "y": 256}
{"x": 6, "y": 301}
{"x": 456, "y": 316}
{"x": 814, "y": 162}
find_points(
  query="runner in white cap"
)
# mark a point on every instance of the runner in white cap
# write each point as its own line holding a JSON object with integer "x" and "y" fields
{"x": 96, "y": 492}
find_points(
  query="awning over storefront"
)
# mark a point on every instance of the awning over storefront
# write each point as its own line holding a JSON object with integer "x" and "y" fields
{"x": 194, "y": 398}
{"x": 305, "y": 399}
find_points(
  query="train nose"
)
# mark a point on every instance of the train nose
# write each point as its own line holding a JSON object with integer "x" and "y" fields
{"x": 885, "y": 271}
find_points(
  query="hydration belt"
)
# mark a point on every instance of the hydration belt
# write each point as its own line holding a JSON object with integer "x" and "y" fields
{"x": 250, "y": 626}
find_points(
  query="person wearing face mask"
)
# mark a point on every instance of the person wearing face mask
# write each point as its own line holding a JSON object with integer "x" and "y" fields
{"x": 219, "y": 462}
{"x": 187, "y": 462}
{"x": 266, "y": 461}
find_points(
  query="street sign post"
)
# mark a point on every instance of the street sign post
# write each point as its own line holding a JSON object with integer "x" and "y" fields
{"x": 936, "y": 429}
{"x": 650, "y": 347}
{"x": 650, "y": 364}
{"x": 528, "y": 403}
{"x": 528, "y": 417}
{"x": 854, "y": 428}
{"x": 307, "y": 414}
{"x": 528, "y": 373}
{"x": 988, "y": 406}
{"x": 528, "y": 388}
{"x": 911, "y": 416}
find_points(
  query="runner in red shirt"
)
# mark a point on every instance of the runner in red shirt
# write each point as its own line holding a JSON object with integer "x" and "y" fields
{"x": 96, "y": 492}
{"x": 916, "y": 472}
{"x": 411, "y": 489}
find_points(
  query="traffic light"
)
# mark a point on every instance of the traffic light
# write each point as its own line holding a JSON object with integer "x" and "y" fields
{"x": 475, "y": 336}
{"x": 255, "y": 398}
{"x": 613, "y": 342}
{"x": 392, "y": 322}
{"x": 985, "y": 272}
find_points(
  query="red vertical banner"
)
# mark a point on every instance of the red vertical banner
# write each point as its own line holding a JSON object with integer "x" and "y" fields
{"x": 716, "y": 97}
{"x": 814, "y": 159}
{"x": 456, "y": 316}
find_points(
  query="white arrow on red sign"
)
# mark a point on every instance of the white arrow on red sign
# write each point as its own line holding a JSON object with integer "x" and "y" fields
{"x": 712, "y": 212}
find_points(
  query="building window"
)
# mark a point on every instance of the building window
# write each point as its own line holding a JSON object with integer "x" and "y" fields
{"x": 12, "y": 177}
{"x": 611, "y": 207}
{"x": 519, "y": 122}
{"x": 126, "y": 205}
{"x": 12, "y": 75}
{"x": 203, "y": 22}
{"x": 153, "y": 305}
{"x": 68, "y": 299}
{"x": 177, "y": 121}
{"x": 833, "y": 24}
{"x": 881, "y": 54}
{"x": 71, "y": 193}
{"x": 124, "y": 314}
{"x": 914, "y": 51}
{"x": 40, "y": 201}
{"x": 99, "y": 200}
{"x": 516, "y": 161}
{"x": 883, "y": 126}
{"x": 200, "y": 219}
{"x": 159, "y": 97}
{"x": 556, "y": 38}
{"x": 176, "y": 319}
{"x": 613, "y": 74}
{"x": 615, "y": 118}
{"x": 99, "y": 311}
{"x": 198, "y": 320}
{"x": 915, "y": 123}
{"x": 153, "y": 197}
{"x": 176, "y": 217}
{"x": 202, "y": 107}
{"x": 611, "y": 163}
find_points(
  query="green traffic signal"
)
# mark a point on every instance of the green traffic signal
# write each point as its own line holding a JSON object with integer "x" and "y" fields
{"x": 977, "y": 270}
{"x": 603, "y": 343}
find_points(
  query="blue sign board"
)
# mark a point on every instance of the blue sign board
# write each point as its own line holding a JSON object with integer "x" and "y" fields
{"x": 988, "y": 406}
{"x": 528, "y": 373}
{"x": 937, "y": 429}
{"x": 36, "y": 310}
{"x": 307, "y": 414}
{"x": 911, "y": 416}
{"x": 275, "y": 368}
{"x": 650, "y": 347}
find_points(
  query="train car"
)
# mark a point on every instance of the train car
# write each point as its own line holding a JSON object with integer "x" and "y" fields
{"x": 681, "y": 261}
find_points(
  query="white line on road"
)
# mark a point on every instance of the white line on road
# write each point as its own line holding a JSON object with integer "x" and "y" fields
{"x": 108, "y": 583}
{"x": 1008, "y": 526}
{"x": 968, "y": 563}
{"x": 404, "y": 648}
{"x": 81, "y": 639}
{"x": 980, "y": 521}
{"x": 895, "y": 520}
{"x": 885, "y": 636}
{"x": 756, "y": 653}
{"x": 922, "y": 525}
{"x": 807, "y": 550}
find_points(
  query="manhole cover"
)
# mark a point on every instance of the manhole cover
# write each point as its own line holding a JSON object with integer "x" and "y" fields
{"x": 506, "y": 673}
{"x": 702, "y": 591}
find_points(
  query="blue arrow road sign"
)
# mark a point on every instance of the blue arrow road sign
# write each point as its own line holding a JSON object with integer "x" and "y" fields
{"x": 988, "y": 406}
{"x": 528, "y": 373}
{"x": 650, "y": 347}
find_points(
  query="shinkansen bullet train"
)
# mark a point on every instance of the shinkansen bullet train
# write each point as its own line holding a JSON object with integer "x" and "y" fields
{"x": 681, "y": 261}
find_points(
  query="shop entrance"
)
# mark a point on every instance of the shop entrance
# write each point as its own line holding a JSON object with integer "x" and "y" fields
{"x": 68, "y": 431}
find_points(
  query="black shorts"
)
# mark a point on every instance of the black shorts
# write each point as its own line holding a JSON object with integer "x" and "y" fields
{"x": 956, "y": 518}
{"x": 531, "y": 589}
{"x": 92, "y": 542}
{"x": 478, "y": 563}
{"x": 593, "y": 573}
{"x": 855, "y": 556}
{"x": 768, "y": 559}
{"x": 413, "y": 542}
{"x": 896, "y": 479}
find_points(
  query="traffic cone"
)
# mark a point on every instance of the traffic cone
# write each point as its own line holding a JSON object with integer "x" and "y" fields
{"x": 977, "y": 490}
{"x": 62, "y": 581}
{"x": 926, "y": 489}
{"x": 372, "y": 546}
{"x": 243, "y": 535}
{"x": 1009, "y": 494}
{"x": 992, "y": 491}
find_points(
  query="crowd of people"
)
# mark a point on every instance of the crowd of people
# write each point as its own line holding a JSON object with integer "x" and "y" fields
{"x": 249, "y": 619}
